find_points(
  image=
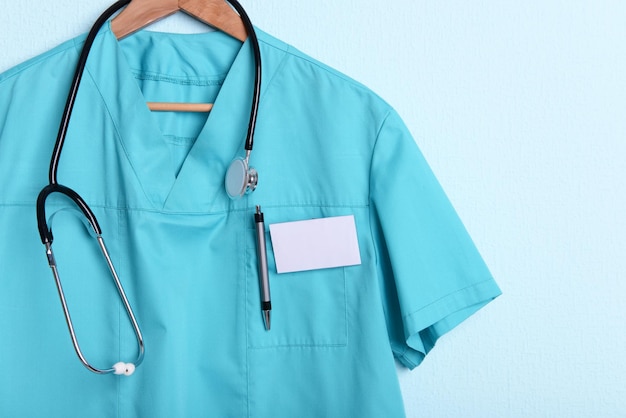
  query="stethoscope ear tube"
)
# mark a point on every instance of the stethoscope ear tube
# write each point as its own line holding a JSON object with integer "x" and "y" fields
{"x": 78, "y": 75}
{"x": 42, "y": 222}
{"x": 256, "y": 94}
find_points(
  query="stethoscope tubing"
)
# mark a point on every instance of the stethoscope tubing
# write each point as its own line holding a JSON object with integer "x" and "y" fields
{"x": 54, "y": 187}
{"x": 256, "y": 94}
{"x": 78, "y": 75}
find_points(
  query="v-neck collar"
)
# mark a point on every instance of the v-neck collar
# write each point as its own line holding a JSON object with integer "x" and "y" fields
{"x": 199, "y": 185}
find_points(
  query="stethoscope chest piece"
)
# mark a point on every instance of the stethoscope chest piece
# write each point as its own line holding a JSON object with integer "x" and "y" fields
{"x": 240, "y": 178}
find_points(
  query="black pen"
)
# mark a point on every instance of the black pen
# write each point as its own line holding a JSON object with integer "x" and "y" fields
{"x": 264, "y": 278}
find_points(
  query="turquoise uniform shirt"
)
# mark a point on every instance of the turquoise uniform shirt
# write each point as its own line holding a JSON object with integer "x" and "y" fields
{"x": 186, "y": 254}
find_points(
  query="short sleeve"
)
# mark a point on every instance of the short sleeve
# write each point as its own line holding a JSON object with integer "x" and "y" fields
{"x": 431, "y": 274}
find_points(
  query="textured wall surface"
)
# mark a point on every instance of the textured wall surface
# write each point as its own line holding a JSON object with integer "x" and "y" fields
{"x": 520, "y": 108}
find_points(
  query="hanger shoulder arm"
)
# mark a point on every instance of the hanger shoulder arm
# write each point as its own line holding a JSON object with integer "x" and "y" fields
{"x": 140, "y": 13}
{"x": 218, "y": 14}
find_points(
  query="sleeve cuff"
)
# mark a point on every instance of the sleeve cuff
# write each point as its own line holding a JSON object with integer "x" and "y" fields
{"x": 425, "y": 326}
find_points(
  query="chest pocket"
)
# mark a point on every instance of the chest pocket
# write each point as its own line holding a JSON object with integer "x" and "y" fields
{"x": 309, "y": 308}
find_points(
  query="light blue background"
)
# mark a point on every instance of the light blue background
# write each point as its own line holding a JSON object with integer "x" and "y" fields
{"x": 520, "y": 108}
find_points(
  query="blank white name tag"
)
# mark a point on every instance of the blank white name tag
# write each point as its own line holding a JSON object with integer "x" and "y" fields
{"x": 315, "y": 244}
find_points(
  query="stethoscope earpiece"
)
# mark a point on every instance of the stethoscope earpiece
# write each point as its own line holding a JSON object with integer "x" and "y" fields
{"x": 240, "y": 178}
{"x": 122, "y": 368}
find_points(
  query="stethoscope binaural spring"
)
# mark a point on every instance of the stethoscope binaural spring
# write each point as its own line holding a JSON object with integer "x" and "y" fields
{"x": 239, "y": 180}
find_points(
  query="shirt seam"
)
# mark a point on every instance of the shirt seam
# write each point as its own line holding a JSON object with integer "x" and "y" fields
{"x": 378, "y": 132}
{"x": 295, "y": 53}
{"x": 204, "y": 213}
{"x": 371, "y": 216}
{"x": 118, "y": 135}
{"x": 20, "y": 68}
{"x": 242, "y": 256}
{"x": 180, "y": 80}
{"x": 279, "y": 67}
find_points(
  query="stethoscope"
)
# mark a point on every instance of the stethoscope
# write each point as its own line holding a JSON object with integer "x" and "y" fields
{"x": 240, "y": 179}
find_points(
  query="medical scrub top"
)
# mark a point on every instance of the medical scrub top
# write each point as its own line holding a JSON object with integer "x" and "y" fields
{"x": 325, "y": 146}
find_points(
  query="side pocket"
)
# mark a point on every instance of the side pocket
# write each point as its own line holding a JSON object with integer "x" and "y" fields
{"x": 309, "y": 308}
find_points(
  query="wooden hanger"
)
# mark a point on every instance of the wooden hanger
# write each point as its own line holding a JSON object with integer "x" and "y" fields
{"x": 216, "y": 13}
